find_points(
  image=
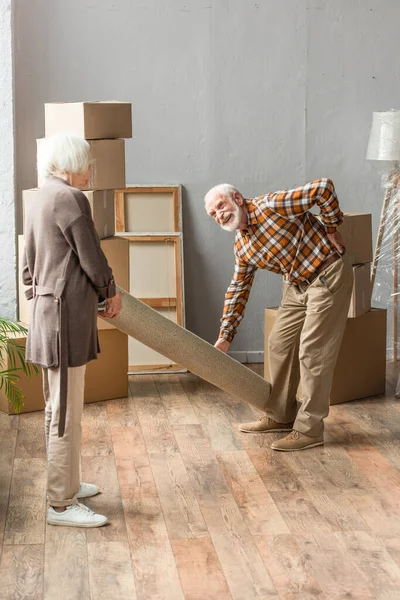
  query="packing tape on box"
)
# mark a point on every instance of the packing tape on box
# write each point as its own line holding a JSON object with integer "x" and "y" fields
{"x": 188, "y": 350}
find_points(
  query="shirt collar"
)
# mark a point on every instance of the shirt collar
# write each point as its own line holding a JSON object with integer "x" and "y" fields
{"x": 252, "y": 213}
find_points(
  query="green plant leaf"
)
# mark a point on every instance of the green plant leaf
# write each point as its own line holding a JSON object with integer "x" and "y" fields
{"x": 16, "y": 359}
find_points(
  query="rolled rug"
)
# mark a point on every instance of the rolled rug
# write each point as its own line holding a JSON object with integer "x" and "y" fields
{"x": 191, "y": 352}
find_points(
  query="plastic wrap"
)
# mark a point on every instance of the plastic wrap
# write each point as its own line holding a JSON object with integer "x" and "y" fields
{"x": 385, "y": 272}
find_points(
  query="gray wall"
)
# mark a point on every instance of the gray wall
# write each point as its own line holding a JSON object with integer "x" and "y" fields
{"x": 8, "y": 294}
{"x": 265, "y": 95}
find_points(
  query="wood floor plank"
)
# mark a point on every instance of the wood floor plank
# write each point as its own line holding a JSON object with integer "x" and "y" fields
{"x": 153, "y": 420}
{"x": 211, "y": 415}
{"x": 342, "y": 469}
{"x": 334, "y": 570}
{"x": 8, "y": 422}
{"x": 299, "y": 513}
{"x": 66, "y": 570}
{"x": 236, "y": 410}
{"x": 291, "y": 573}
{"x": 25, "y": 521}
{"x": 392, "y": 544}
{"x": 245, "y": 572}
{"x": 155, "y": 571}
{"x": 182, "y": 513}
{"x": 8, "y": 438}
{"x": 177, "y": 405}
{"x": 134, "y": 472}
{"x": 242, "y": 566}
{"x": 380, "y": 421}
{"x": 31, "y": 438}
{"x": 199, "y": 510}
{"x": 96, "y": 434}
{"x": 122, "y": 413}
{"x": 251, "y": 495}
{"x": 311, "y": 472}
{"x": 128, "y": 442}
{"x": 378, "y": 567}
{"x": 154, "y": 566}
{"x": 102, "y": 471}
{"x": 110, "y": 571}
{"x": 379, "y": 510}
{"x": 274, "y": 470}
{"x": 21, "y": 572}
{"x": 380, "y": 471}
{"x": 199, "y": 570}
{"x": 204, "y": 471}
{"x": 337, "y": 511}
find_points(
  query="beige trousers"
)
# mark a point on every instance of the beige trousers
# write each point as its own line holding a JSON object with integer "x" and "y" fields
{"x": 63, "y": 454}
{"x": 304, "y": 344}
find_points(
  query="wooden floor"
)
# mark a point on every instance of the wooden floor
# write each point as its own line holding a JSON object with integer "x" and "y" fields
{"x": 200, "y": 511}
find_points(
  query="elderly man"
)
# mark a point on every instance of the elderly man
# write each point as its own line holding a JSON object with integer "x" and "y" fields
{"x": 277, "y": 232}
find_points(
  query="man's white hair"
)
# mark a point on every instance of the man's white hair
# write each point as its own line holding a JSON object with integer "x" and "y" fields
{"x": 63, "y": 153}
{"x": 224, "y": 189}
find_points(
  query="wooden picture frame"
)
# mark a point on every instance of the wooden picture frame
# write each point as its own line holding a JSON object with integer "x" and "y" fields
{"x": 162, "y": 211}
{"x": 164, "y": 300}
{"x": 150, "y": 218}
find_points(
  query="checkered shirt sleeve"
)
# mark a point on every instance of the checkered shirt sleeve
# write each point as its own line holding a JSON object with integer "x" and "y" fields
{"x": 321, "y": 192}
{"x": 236, "y": 298}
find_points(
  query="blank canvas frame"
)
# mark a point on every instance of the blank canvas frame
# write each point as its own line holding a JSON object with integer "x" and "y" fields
{"x": 150, "y": 217}
{"x": 148, "y": 209}
{"x": 155, "y": 276}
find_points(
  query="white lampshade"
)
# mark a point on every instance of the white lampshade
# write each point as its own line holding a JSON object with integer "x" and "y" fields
{"x": 384, "y": 139}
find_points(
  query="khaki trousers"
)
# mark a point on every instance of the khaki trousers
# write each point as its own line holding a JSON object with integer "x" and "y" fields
{"x": 63, "y": 454}
{"x": 304, "y": 344}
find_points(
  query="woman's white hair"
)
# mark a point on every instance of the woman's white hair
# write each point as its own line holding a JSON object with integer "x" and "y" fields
{"x": 224, "y": 189}
{"x": 62, "y": 153}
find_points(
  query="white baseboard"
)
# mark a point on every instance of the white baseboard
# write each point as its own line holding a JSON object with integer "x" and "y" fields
{"x": 253, "y": 356}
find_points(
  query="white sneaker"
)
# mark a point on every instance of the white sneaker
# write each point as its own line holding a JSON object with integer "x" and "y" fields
{"x": 75, "y": 515}
{"x": 86, "y": 490}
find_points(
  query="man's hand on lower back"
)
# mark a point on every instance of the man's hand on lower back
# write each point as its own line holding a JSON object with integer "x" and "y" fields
{"x": 337, "y": 241}
{"x": 222, "y": 345}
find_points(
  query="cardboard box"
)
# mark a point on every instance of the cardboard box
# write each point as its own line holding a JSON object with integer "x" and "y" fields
{"x": 29, "y": 200}
{"x": 91, "y": 120}
{"x": 31, "y": 387}
{"x": 356, "y": 232}
{"x": 360, "y": 370}
{"x": 106, "y": 378}
{"x": 108, "y": 169}
{"x": 360, "y": 302}
{"x": 101, "y": 204}
{"x": 116, "y": 250}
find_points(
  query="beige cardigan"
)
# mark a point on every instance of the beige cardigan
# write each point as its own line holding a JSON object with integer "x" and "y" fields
{"x": 68, "y": 272}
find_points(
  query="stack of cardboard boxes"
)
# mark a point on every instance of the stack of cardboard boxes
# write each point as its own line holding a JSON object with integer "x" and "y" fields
{"x": 104, "y": 125}
{"x": 361, "y": 366}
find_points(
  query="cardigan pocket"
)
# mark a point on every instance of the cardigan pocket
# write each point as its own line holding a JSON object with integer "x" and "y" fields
{"x": 43, "y": 333}
{"x": 42, "y": 347}
{"x": 50, "y": 344}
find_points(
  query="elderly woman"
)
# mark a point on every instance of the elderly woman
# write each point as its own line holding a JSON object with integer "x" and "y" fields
{"x": 69, "y": 275}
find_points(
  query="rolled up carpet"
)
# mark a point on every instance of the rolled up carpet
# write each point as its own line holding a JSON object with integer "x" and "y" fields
{"x": 188, "y": 350}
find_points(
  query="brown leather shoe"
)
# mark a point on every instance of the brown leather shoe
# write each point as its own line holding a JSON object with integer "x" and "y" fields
{"x": 265, "y": 425}
{"x": 297, "y": 441}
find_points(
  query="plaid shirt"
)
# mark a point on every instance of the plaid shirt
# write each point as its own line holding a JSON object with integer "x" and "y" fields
{"x": 282, "y": 236}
